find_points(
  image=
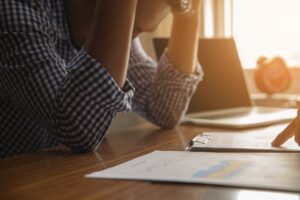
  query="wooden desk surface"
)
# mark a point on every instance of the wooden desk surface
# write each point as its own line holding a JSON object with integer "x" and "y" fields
{"x": 57, "y": 174}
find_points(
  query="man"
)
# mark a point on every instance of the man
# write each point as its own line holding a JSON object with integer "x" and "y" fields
{"x": 68, "y": 66}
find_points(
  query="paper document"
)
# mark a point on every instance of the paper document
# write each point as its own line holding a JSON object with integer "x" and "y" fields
{"x": 255, "y": 140}
{"x": 229, "y": 169}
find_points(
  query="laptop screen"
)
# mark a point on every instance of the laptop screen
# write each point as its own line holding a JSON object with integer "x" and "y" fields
{"x": 224, "y": 84}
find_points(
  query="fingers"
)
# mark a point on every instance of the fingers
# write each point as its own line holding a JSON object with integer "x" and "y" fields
{"x": 286, "y": 134}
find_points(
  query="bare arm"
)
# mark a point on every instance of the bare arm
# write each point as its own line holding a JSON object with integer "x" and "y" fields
{"x": 110, "y": 36}
{"x": 183, "y": 44}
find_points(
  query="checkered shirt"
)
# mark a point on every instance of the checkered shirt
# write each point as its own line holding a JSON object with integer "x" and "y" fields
{"x": 52, "y": 92}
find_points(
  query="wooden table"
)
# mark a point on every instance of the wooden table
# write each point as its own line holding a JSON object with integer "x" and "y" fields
{"x": 57, "y": 174}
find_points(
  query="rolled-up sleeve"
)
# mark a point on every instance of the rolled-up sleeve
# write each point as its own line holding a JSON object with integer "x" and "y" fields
{"x": 74, "y": 100}
{"x": 162, "y": 93}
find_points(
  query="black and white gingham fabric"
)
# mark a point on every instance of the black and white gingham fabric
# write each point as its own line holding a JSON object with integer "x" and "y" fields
{"x": 52, "y": 92}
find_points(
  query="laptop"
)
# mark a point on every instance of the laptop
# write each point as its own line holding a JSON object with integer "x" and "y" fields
{"x": 222, "y": 99}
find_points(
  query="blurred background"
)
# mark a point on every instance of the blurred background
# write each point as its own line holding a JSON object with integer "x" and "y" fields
{"x": 260, "y": 28}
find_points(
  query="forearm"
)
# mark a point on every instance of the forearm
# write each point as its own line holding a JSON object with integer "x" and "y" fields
{"x": 162, "y": 92}
{"x": 183, "y": 44}
{"x": 110, "y": 37}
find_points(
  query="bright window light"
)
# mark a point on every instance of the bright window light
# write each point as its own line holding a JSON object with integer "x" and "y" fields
{"x": 228, "y": 18}
{"x": 267, "y": 28}
{"x": 209, "y": 19}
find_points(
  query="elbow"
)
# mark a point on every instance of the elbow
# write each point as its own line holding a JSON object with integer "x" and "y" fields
{"x": 91, "y": 147}
{"x": 169, "y": 122}
{"x": 84, "y": 140}
{"x": 167, "y": 118}
{"x": 83, "y": 132}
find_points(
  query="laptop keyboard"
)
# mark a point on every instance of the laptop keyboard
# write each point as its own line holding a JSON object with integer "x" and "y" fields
{"x": 223, "y": 115}
{"x": 237, "y": 113}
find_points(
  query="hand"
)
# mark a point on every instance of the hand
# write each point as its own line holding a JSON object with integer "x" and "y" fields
{"x": 293, "y": 129}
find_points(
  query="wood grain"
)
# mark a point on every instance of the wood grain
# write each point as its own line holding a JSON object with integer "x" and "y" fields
{"x": 58, "y": 174}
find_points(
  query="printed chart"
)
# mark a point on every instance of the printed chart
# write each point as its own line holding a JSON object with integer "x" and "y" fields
{"x": 228, "y": 169}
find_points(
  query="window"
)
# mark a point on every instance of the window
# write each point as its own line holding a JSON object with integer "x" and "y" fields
{"x": 268, "y": 28}
{"x": 217, "y": 18}
{"x": 260, "y": 27}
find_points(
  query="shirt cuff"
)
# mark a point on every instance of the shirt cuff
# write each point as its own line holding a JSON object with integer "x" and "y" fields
{"x": 138, "y": 56}
{"x": 95, "y": 81}
{"x": 173, "y": 78}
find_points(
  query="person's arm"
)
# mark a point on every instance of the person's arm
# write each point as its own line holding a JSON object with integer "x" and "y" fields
{"x": 110, "y": 36}
{"x": 293, "y": 129}
{"x": 74, "y": 100}
{"x": 183, "y": 44}
{"x": 162, "y": 92}
{"x": 164, "y": 89}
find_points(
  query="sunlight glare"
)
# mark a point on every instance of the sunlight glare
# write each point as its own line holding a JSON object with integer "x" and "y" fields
{"x": 269, "y": 28}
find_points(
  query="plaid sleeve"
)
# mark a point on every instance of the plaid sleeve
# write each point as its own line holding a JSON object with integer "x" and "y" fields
{"x": 75, "y": 101}
{"x": 162, "y": 92}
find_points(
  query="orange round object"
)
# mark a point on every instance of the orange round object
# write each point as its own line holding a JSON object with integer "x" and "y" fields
{"x": 272, "y": 76}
